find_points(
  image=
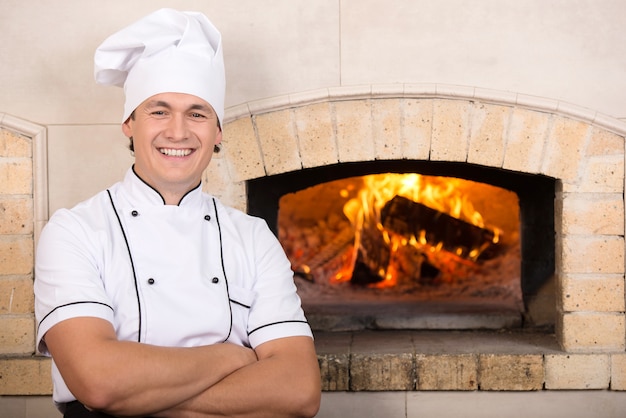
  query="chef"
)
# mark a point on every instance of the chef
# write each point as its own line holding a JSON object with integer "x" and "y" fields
{"x": 152, "y": 297}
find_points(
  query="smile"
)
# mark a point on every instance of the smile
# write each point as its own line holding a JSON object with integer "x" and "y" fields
{"x": 172, "y": 152}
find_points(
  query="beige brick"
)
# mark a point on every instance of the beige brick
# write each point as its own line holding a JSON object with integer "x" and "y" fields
{"x": 450, "y": 134}
{"x": 488, "y": 125}
{"x": 382, "y": 372}
{"x": 618, "y": 371}
{"x": 18, "y": 334}
{"x": 593, "y": 293}
{"x": 217, "y": 180}
{"x": 355, "y": 141}
{"x": 13, "y": 145}
{"x": 565, "y": 148}
{"x": 604, "y": 142}
{"x": 386, "y": 126}
{"x": 334, "y": 371}
{"x": 16, "y": 176}
{"x": 586, "y": 332}
{"x": 16, "y": 216}
{"x": 242, "y": 150}
{"x": 25, "y": 376}
{"x": 590, "y": 214}
{"x": 510, "y": 372}
{"x": 16, "y": 295}
{"x": 16, "y": 255}
{"x": 577, "y": 371}
{"x": 525, "y": 141}
{"x": 603, "y": 175}
{"x": 590, "y": 254}
{"x": 416, "y": 128}
{"x": 447, "y": 372}
{"x": 276, "y": 133}
{"x": 315, "y": 135}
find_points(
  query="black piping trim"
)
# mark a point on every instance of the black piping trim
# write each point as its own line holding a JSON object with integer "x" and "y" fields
{"x": 160, "y": 195}
{"x": 219, "y": 231}
{"x": 240, "y": 304}
{"x": 132, "y": 264}
{"x": 276, "y": 323}
{"x": 70, "y": 304}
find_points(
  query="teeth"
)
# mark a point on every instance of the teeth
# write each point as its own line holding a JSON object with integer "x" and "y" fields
{"x": 175, "y": 152}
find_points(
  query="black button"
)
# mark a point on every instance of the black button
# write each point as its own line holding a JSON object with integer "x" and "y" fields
{"x": 134, "y": 213}
{"x": 207, "y": 217}
{"x": 215, "y": 280}
{"x": 150, "y": 280}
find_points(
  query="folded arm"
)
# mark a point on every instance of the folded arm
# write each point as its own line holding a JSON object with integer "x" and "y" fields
{"x": 284, "y": 382}
{"x": 132, "y": 379}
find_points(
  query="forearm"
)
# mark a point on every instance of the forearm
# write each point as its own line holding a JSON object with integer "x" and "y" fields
{"x": 281, "y": 384}
{"x": 128, "y": 378}
{"x": 144, "y": 379}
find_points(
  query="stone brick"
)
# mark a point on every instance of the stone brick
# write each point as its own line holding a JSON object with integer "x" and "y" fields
{"x": 590, "y": 254}
{"x": 334, "y": 371}
{"x": 386, "y": 127}
{"x": 25, "y": 376}
{"x": 577, "y": 371}
{"x": 16, "y": 255}
{"x": 590, "y": 213}
{"x": 13, "y": 145}
{"x": 592, "y": 293}
{"x": 450, "y": 134}
{"x": 604, "y": 142}
{"x": 16, "y": 295}
{"x": 18, "y": 334}
{"x": 618, "y": 371}
{"x": 315, "y": 135}
{"x": 416, "y": 128}
{"x": 588, "y": 332}
{"x": 510, "y": 372}
{"x": 355, "y": 140}
{"x": 16, "y": 216}
{"x": 217, "y": 180}
{"x": 382, "y": 372}
{"x": 16, "y": 176}
{"x": 446, "y": 372}
{"x": 242, "y": 150}
{"x": 602, "y": 175}
{"x": 525, "y": 141}
{"x": 276, "y": 133}
{"x": 488, "y": 125}
{"x": 564, "y": 149}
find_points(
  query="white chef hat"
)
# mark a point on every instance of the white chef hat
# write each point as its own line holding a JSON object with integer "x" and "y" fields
{"x": 166, "y": 51}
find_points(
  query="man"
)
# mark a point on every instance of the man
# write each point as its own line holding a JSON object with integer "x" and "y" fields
{"x": 153, "y": 298}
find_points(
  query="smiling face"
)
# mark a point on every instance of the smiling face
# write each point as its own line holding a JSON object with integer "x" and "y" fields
{"x": 173, "y": 135}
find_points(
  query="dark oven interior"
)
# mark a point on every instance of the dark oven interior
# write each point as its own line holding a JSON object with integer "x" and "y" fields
{"x": 412, "y": 244}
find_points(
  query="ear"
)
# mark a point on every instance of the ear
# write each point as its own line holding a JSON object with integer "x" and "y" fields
{"x": 126, "y": 128}
{"x": 218, "y": 137}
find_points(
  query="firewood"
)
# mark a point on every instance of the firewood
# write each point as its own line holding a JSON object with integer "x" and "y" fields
{"x": 409, "y": 218}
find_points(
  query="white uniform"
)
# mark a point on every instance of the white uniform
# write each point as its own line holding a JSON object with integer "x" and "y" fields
{"x": 194, "y": 274}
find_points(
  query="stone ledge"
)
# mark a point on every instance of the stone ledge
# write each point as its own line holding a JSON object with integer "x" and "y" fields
{"x": 458, "y": 360}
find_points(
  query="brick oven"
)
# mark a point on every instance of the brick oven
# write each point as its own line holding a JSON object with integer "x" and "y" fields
{"x": 564, "y": 162}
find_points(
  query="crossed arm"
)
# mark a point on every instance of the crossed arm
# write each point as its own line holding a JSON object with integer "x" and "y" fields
{"x": 279, "y": 379}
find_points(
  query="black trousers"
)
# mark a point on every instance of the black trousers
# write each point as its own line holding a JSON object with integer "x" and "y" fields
{"x": 77, "y": 410}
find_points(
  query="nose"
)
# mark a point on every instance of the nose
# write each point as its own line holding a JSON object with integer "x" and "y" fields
{"x": 176, "y": 128}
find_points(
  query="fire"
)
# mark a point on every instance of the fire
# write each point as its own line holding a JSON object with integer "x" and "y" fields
{"x": 439, "y": 193}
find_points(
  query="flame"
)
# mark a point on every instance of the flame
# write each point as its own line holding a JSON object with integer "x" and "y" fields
{"x": 440, "y": 193}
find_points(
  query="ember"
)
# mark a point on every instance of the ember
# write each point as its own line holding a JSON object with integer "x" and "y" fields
{"x": 403, "y": 234}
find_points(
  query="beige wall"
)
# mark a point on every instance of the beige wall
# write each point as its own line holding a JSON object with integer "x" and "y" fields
{"x": 565, "y": 51}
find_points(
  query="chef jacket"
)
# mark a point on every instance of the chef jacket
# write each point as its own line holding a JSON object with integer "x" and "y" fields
{"x": 193, "y": 274}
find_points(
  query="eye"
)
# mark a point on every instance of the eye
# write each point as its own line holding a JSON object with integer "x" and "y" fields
{"x": 197, "y": 115}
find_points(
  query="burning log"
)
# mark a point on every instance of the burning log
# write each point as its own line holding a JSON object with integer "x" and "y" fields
{"x": 412, "y": 219}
